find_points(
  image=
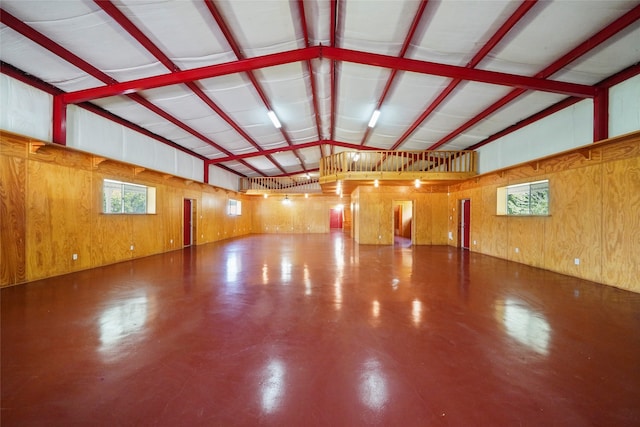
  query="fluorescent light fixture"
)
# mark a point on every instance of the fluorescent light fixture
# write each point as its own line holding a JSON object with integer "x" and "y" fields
{"x": 374, "y": 118}
{"x": 274, "y": 119}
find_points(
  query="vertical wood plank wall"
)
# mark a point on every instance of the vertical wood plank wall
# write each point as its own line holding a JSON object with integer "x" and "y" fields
{"x": 594, "y": 215}
{"x": 301, "y": 215}
{"x": 51, "y": 204}
{"x": 50, "y": 208}
{"x": 373, "y": 214}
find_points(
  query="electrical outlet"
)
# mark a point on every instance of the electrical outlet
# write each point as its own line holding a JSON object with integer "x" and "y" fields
{"x": 517, "y": 250}
{"x": 131, "y": 247}
{"x": 474, "y": 243}
{"x": 74, "y": 257}
{"x": 576, "y": 261}
{"x": 171, "y": 241}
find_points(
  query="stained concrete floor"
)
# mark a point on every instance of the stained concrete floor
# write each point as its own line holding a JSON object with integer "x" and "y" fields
{"x": 304, "y": 330}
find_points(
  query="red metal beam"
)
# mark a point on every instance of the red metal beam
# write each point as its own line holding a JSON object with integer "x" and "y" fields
{"x": 601, "y": 36}
{"x": 59, "y": 130}
{"x": 265, "y": 152}
{"x": 70, "y": 57}
{"x": 185, "y": 76}
{"x": 520, "y": 12}
{"x": 141, "y": 38}
{"x": 601, "y": 115}
{"x": 334, "y": 90}
{"x": 312, "y": 80}
{"x": 456, "y": 72}
{"x": 312, "y": 144}
{"x": 236, "y": 49}
{"x": 403, "y": 51}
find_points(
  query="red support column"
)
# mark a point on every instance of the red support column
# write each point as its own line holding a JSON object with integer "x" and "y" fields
{"x": 59, "y": 120}
{"x": 601, "y": 114}
{"x": 206, "y": 172}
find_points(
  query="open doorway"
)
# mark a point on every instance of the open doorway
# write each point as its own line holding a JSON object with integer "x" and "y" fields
{"x": 464, "y": 235}
{"x": 403, "y": 222}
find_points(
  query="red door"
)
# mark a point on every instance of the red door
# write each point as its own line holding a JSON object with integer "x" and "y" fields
{"x": 187, "y": 222}
{"x": 466, "y": 222}
{"x": 335, "y": 220}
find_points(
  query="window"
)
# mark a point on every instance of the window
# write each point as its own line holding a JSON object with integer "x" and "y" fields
{"x": 234, "y": 207}
{"x": 530, "y": 198}
{"x": 126, "y": 198}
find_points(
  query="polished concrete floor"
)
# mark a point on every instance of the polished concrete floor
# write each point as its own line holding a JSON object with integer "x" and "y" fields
{"x": 305, "y": 330}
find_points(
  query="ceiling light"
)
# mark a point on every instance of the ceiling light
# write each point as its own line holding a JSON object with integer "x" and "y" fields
{"x": 286, "y": 200}
{"x": 308, "y": 176}
{"x": 266, "y": 195}
{"x": 417, "y": 183}
{"x": 356, "y": 157}
{"x": 274, "y": 119}
{"x": 374, "y": 118}
{"x": 376, "y": 183}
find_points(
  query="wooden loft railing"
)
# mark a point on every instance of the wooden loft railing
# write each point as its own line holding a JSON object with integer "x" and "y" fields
{"x": 279, "y": 185}
{"x": 398, "y": 165}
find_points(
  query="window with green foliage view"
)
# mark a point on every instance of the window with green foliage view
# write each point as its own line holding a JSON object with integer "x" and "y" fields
{"x": 530, "y": 198}
{"x": 126, "y": 198}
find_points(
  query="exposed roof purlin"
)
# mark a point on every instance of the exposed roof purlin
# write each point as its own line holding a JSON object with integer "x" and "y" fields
{"x": 217, "y": 16}
{"x": 115, "y": 13}
{"x": 312, "y": 80}
{"x": 403, "y": 51}
{"x": 332, "y": 71}
{"x": 519, "y": 13}
{"x": 39, "y": 38}
{"x": 607, "y": 32}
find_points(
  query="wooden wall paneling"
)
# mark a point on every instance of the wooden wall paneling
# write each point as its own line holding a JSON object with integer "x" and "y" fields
{"x": 208, "y": 213}
{"x": 452, "y": 218}
{"x": 376, "y": 217}
{"x": 575, "y": 225}
{"x": 355, "y": 215}
{"x": 146, "y": 235}
{"x": 492, "y": 236}
{"x": 439, "y": 228}
{"x": 423, "y": 219}
{"x": 59, "y": 207}
{"x": 169, "y": 201}
{"x": 111, "y": 235}
{"x": 12, "y": 220}
{"x": 621, "y": 223}
{"x": 526, "y": 240}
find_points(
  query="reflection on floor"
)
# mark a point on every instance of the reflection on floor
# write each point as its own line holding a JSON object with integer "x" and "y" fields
{"x": 294, "y": 330}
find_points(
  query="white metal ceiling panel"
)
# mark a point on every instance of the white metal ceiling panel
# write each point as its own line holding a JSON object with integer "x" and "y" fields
{"x": 358, "y": 92}
{"x": 288, "y": 88}
{"x": 197, "y": 44}
{"x": 376, "y": 26}
{"x": 412, "y": 93}
{"x": 554, "y": 30}
{"x": 614, "y": 55}
{"x": 456, "y": 30}
{"x": 318, "y": 17}
{"x": 37, "y": 61}
{"x": 263, "y": 27}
